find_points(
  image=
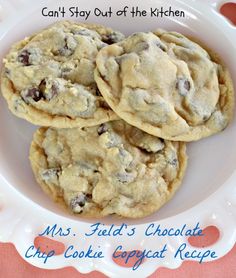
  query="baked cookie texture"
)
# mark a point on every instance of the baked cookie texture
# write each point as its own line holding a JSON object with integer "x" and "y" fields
{"x": 48, "y": 78}
{"x": 166, "y": 85}
{"x": 112, "y": 168}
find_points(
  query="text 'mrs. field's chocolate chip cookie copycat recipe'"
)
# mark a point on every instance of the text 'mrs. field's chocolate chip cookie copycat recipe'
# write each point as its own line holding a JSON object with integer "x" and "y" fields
{"x": 113, "y": 168}
{"x": 48, "y": 78}
{"x": 166, "y": 85}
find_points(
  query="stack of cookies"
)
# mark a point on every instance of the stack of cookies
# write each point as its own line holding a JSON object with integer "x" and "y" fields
{"x": 116, "y": 113}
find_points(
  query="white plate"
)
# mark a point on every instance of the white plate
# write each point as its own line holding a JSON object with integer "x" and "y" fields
{"x": 208, "y": 194}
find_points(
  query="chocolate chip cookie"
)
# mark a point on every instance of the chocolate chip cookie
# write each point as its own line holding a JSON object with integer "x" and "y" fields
{"x": 166, "y": 85}
{"x": 48, "y": 78}
{"x": 112, "y": 168}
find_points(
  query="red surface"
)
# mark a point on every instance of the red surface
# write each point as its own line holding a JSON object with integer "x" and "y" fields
{"x": 13, "y": 266}
{"x": 229, "y": 10}
{"x": 211, "y": 235}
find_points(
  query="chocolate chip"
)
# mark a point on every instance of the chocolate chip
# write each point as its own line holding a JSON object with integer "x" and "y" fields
{"x": 144, "y": 46}
{"x": 173, "y": 162}
{"x": 205, "y": 118}
{"x": 108, "y": 39}
{"x": 102, "y": 129}
{"x": 51, "y": 93}
{"x": 24, "y": 58}
{"x": 98, "y": 93}
{"x": 89, "y": 196}
{"x": 183, "y": 85}
{"x": 187, "y": 85}
{"x": 82, "y": 32}
{"x": 79, "y": 201}
{"x": 65, "y": 50}
{"x": 161, "y": 46}
{"x": 103, "y": 104}
{"x": 49, "y": 174}
{"x": 35, "y": 94}
{"x": 112, "y": 38}
{"x": 66, "y": 43}
{"x": 42, "y": 85}
{"x": 141, "y": 46}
